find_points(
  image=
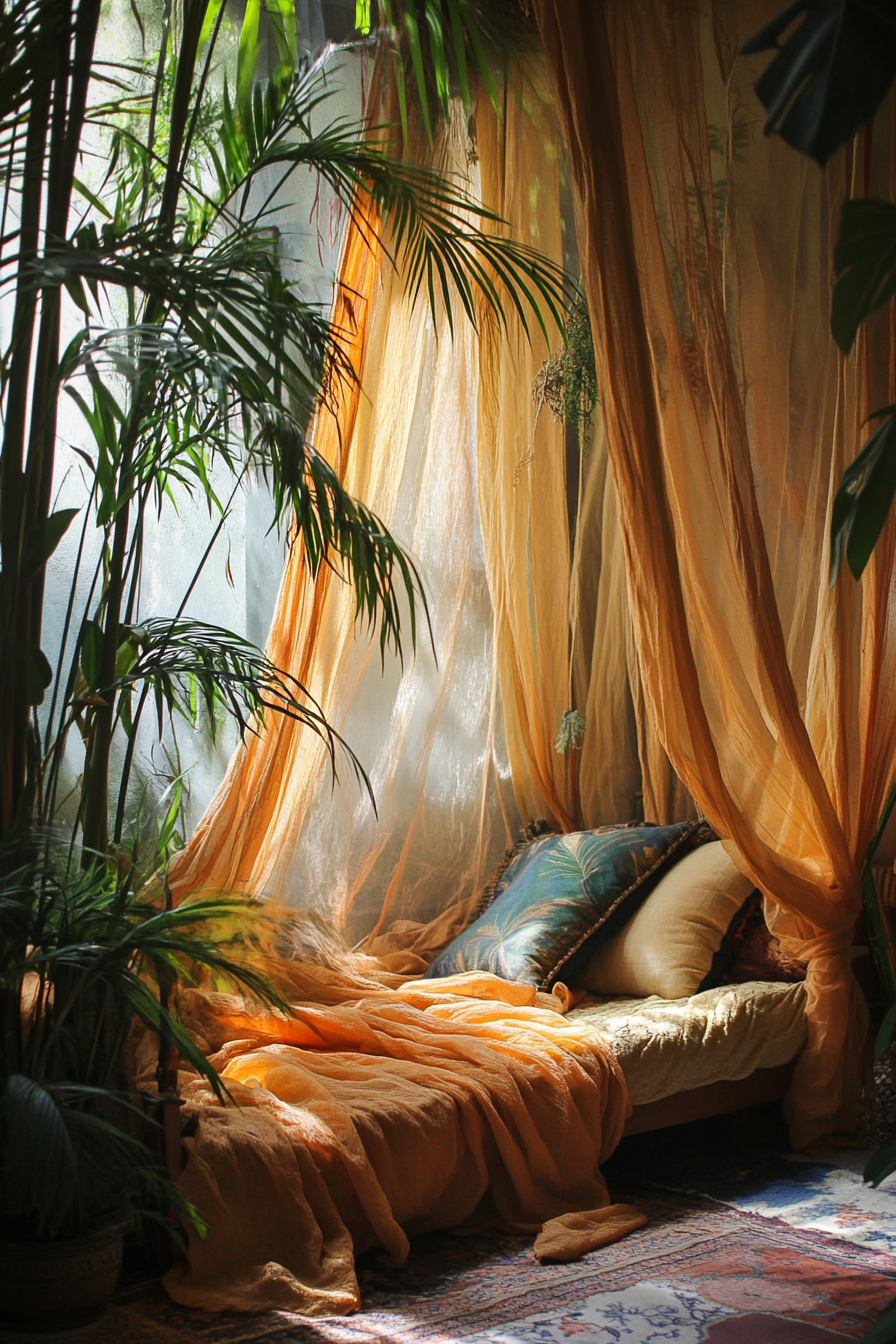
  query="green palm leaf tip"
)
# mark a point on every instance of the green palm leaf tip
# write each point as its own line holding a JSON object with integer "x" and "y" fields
{"x": 571, "y": 732}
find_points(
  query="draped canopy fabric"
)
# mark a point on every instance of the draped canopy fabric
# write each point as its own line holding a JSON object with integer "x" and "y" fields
{"x": 434, "y": 441}
{"x": 730, "y": 416}
{"x": 695, "y": 582}
{"x": 428, "y": 732}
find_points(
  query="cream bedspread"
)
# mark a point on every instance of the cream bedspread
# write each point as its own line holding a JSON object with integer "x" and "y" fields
{"x": 385, "y": 1112}
{"x": 673, "y": 1045}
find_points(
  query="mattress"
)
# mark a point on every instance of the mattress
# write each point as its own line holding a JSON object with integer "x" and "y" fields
{"x": 672, "y": 1045}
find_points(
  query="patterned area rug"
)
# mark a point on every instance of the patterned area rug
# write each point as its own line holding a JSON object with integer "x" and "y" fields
{"x": 700, "y": 1271}
{"x": 742, "y": 1160}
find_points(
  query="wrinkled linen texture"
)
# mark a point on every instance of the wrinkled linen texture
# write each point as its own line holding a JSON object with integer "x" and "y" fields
{"x": 666, "y": 1046}
{"x": 390, "y": 1113}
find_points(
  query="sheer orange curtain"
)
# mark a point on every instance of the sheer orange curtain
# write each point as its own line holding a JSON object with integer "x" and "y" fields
{"x": 730, "y": 415}
{"x": 444, "y": 440}
{"x": 522, "y": 462}
{"x": 272, "y": 775}
{"x": 429, "y": 732}
{"x": 555, "y": 559}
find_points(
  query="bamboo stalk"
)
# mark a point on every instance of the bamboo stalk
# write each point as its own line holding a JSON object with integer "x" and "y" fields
{"x": 96, "y": 770}
{"x": 14, "y": 723}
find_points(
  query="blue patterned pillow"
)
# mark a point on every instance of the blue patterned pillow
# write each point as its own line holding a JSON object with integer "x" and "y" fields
{"x": 564, "y": 895}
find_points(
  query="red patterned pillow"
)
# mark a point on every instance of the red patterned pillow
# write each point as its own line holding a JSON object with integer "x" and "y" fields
{"x": 750, "y": 951}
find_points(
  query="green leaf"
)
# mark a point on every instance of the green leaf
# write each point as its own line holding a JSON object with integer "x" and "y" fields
{"x": 829, "y": 75}
{"x": 75, "y": 288}
{"x": 40, "y": 674}
{"x": 247, "y": 61}
{"x": 862, "y": 503}
{"x": 413, "y": 36}
{"x": 864, "y": 266}
{"x": 881, "y": 1165}
{"x": 282, "y": 18}
{"x": 91, "y": 653}
{"x": 885, "y": 1035}
{"x": 90, "y": 197}
{"x": 168, "y": 829}
{"x": 41, "y": 542}
{"x": 460, "y": 54}
{"x": 208, "y": 23}
{"x": 362, "y": 16}
{"x": 40, "y": 1166}
{"x": 398, "y": 73}
{"x": 883, "y": 1331}
{"x": 440, "y": 66}
{"x": 128, "y": 653}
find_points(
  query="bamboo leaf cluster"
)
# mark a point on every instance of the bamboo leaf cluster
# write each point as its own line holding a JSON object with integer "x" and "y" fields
{"x": 80, "y": 959}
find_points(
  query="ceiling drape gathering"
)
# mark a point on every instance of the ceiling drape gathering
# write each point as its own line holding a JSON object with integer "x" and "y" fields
{"x": 730, "y": 415}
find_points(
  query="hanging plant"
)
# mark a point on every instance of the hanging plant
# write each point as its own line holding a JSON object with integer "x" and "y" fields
{"x": 571, "y": 732}
{"x": 567, "y": 381}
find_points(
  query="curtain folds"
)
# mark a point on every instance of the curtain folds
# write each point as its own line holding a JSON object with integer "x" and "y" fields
{"x": 429, "y": 732}
{"x": 730, "y": 416}
{"x": 444, "y": 442}
{"x": 522, "y": 482}
{"x": 556, "y": 570}
{"x": 687, "y": 613}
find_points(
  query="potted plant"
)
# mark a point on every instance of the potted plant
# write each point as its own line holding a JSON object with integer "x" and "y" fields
{"x": 82, "y": 956}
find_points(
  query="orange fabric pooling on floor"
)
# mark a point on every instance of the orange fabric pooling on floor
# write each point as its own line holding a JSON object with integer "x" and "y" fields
{"x": 393, "y": 1112}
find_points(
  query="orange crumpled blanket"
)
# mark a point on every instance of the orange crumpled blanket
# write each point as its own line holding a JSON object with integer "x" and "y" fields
{"x": 382, "y": 1109}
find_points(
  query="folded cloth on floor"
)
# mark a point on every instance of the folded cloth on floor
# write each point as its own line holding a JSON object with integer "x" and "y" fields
{"x": 573, "y": 1235}
{"x": 467, "y": 1101}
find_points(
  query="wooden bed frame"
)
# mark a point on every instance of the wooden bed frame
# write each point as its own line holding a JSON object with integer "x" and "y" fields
{"x": 759, "y": 1087}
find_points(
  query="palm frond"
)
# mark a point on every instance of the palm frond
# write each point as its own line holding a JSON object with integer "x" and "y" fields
{"x": 339, "y": 531}
{"x": 66, "y": 1162}
{"x": 436, "y": 43}
{"x": 179, "y": 659}
{"x": 442, "y": 240}
{"x": 40, "y": 1164}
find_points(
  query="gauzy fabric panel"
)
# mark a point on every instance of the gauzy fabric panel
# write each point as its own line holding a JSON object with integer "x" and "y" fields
{"x": 554, "y": 582}
{"x": 458, "y": 751}
{"x": 730, "y": 416}
{"x": 562, "y": 897}
{"x": 429, "y": 731}
{"x": 522, "y": 482}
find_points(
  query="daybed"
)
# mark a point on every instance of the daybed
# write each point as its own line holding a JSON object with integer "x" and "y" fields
{"x": 392, "y": 1105}
{"x": 719, "y": 1051}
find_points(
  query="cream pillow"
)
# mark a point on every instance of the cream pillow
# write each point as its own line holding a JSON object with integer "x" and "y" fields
{"x": 668, "y": 946}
